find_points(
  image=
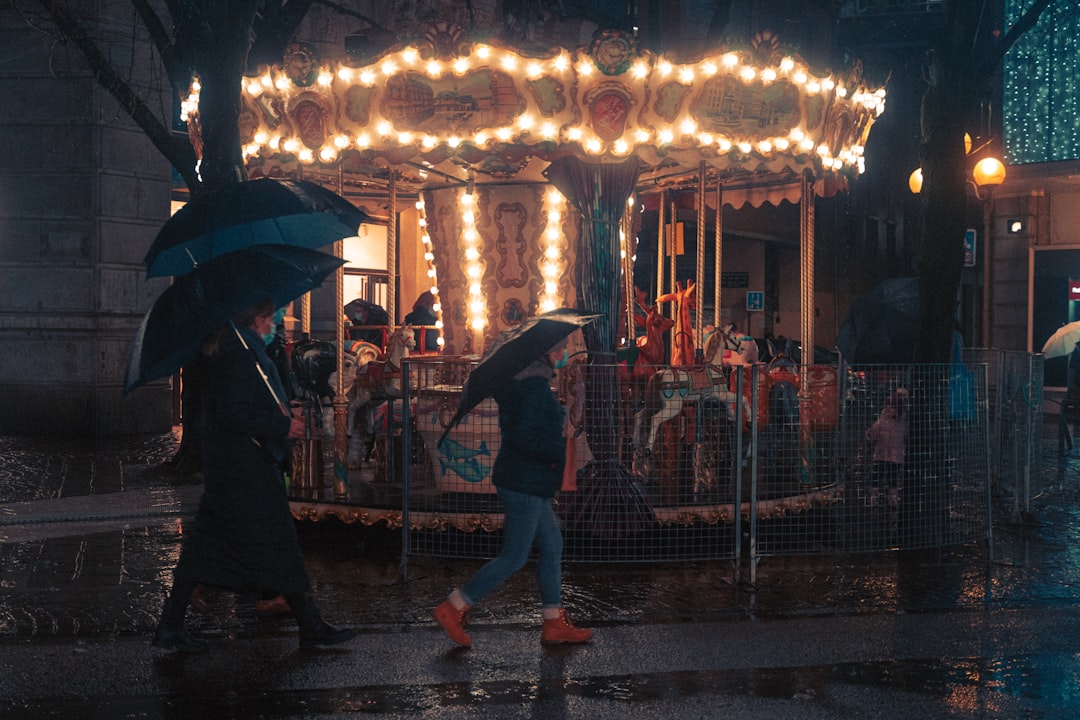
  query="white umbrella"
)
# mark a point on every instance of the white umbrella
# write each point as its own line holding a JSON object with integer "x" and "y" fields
{"x": 1062, "y": 342}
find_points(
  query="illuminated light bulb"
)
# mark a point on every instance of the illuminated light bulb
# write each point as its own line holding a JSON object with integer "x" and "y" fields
{"x": 799, "y": 77}
{"x": 550, "y": 288}
{"x": 724, "y": 144}
{"x": 782, "y": 144}
{"x": 639, "y": 70}
{"x": 765, "y": 146}
{"x": 552, "y": 252}
{"x": 525, "y": 122}
{"x": 823, "y": 150}
{"x": 547, "y": 305}
{"x": 548, "y": 130}
{"x": 806, "y": 144}
{"x": 483, "y": 52}
{"x": 665, "y": 68}
{"x": 813, "y": 87}
{"x": 474, "y": 288}
{"x": 461, "y": 65}
{"x": 405, "y": 138}
{"x": 710, "y": 68}
{"x": 306, "y": 156}
{"x": 745, "y": 147}
{"x": 468, "y": 217}
{"x": 363, "y": 140}
{"x": 686, "y": 76}
{"x": 431, "y": 272}
{"x": 388, "y": 68}
{"x": 688, "y": 126}
{"x": 325, "y": 78}
{"x": 552, "y": 233}
{"x": 472, "y": 254}
{"x": 429, "y": 141}
{"x": 797, "y": 134}
{"x": 768, "y": 75}
{"x": 341, "y": 142}
{"x": 467, "y": 199}
{"x": 292, "y": 145}
{"x": 345, "y": 74}
{"x": 434, "y": 68}
{"x": 267, "y": 81}
{"x": 282, "y": 83}
{"x": 574, "y": 133}
{"x": 787, "y": 64}
{"x": 367, "y": 77}
{"x": 534, "y": 70}
{"x": 275, "y": 142}
{"x": 828, "y": 84}
{"x": 429, "y": 256}
{"x": 420, "y": 205}
{"x": 622, "y": 147}
{"x": 509, "y": 62}
{"x": 593, "y": 146}
{"x": 410, "y": 55}
{"x": 481, "y": 138}
{"x": 642, "y": 136}
{"x": 729, "y": 60}
{"x": 561, "y": 63}
{"x": 841, "y": 91}
{"x": 254, "y": 88}
{"x": 261, "y": 137}
{"x": 553, "y": 215}
{"x": 479, "y": 323}
{"x": 666, "y": 136}
{"x": 747, "y": 73}
{"x": 422, "y": 221}
{"x": 384, "y": 128}
{"x": 585, "y": 68}
{"x": 473, "y": 271}
{"x": 503, "y": 133}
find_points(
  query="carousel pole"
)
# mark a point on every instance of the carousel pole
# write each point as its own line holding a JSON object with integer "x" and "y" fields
{"x": 341, "y": 440}
{"x": 718, "y": 260}
{"x": 305, "y": 300}
{"x": 699, "y": 267}
{"x": 673, "y": 229}
{"x": 806, "y": 358}
{"x": 391, "y": 254}
{"x": 661, "y": 223}
{"x": 628, "y": 270}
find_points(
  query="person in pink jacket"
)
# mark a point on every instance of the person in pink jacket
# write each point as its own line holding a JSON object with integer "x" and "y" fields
{"x": 888, "y": 437}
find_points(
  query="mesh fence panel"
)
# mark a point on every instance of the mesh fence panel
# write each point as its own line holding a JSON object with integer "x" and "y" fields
{"x": 695, "y": 455}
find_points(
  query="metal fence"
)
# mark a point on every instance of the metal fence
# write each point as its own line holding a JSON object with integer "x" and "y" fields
{"x": 690, "y": 463}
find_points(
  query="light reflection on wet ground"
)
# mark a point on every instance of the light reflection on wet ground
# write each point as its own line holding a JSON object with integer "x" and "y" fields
{"x": 107, "y": 582}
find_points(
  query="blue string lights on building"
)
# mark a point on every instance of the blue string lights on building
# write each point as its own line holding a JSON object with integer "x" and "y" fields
{"x": 1041, "y": 94}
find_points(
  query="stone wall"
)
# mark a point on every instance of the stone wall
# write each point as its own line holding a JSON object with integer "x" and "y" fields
{"x": 82, "y": 194}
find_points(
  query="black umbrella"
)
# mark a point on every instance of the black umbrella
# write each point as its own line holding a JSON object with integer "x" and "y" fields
{"x": 882, "y": 325}
{"x": 207, "y": 298}
{"x": 513, "y": 351}
{"x": 256, "y": 212}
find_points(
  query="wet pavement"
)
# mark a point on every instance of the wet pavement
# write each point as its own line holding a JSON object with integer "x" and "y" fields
{"x": 89, "y": 533}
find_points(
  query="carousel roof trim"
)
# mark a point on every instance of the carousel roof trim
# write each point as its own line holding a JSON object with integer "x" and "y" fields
{"x": 492, "y": 110}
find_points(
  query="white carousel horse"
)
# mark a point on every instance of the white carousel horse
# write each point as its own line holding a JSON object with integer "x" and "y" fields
{"x": 376, "y": 382}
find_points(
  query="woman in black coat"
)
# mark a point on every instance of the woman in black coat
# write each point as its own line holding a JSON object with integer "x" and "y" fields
{"x": 244, "y": 538}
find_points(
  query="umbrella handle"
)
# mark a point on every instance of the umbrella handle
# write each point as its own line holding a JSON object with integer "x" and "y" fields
{"x": 262, "y": 373}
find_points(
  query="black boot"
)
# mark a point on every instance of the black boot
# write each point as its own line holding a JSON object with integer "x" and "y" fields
{"x": 171, "y": 633}
{"x": 314, "y": 630}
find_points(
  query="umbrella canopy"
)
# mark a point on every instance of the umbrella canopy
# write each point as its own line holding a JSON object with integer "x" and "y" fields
{"x": 881, "y": 326}
{"x": 512, "y": 352}
{"x": 1063, "y": 341}
{"x": 208, "y": 297}
{"x": 256, "y": 212}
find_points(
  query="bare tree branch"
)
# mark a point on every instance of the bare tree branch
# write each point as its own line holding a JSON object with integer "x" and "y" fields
{"x": 179, "y": 154}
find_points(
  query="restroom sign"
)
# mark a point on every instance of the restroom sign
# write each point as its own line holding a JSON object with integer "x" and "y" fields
{"x": 1074, "y": 289}
{"x": 755, "y": 300}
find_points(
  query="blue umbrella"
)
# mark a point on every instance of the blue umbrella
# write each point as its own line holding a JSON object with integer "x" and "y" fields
{"x": 207, "y": 298}
{"x": 256, "y": 212}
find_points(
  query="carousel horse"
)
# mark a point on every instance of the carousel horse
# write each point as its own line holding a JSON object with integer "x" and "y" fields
{"x": 682, "y": 345}
{"x": 376, "y": 382}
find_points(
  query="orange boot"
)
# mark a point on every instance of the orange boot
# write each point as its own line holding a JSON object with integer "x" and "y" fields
{"x": 561, "y": 630}
{"x": 453, "y": 622}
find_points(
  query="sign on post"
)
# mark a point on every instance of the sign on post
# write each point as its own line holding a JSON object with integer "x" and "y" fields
{"x": 755, "y": 300}
{"x": 969, "y": 247}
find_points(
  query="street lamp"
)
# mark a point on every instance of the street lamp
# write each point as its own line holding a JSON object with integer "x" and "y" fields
{"x": 987, "y": 174}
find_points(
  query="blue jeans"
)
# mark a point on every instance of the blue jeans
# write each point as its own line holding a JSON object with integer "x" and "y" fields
{"x": 527, "y": 520}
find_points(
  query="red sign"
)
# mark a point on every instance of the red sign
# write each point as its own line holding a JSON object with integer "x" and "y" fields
{"x": 1074, "y": 289}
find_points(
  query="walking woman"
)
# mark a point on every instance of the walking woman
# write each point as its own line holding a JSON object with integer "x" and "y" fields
{"x": 527, "y": 474}
{"x": 243, "y": 538}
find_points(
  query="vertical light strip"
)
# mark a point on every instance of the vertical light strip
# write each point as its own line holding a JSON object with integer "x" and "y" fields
{"x": 432, "y": 273}
{"x": 553, "y": 243}
{"x": 476, "y": 306}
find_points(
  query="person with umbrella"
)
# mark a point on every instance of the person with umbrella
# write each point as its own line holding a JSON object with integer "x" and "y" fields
{"x": 243, "y": 538}
{"x": 527, "y": 474}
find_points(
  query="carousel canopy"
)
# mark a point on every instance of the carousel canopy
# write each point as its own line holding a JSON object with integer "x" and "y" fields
{"x": 451, "y": 110}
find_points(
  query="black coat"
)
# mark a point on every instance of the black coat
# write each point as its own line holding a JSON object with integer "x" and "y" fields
{"x": 532, "y": 450}
{"x": 244, "y": 537}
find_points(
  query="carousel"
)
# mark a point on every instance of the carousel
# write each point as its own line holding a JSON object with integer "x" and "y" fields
{"x": 512, "y": 184}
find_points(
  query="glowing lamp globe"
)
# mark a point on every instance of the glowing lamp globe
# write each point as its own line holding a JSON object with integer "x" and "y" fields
{"x": 914, "y": 181}
{"x": 988, "y": 172}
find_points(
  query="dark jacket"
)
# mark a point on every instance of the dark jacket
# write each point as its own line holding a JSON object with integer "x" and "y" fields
{"x": 244, "y": 536}
{"x": 533, "y": 449}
